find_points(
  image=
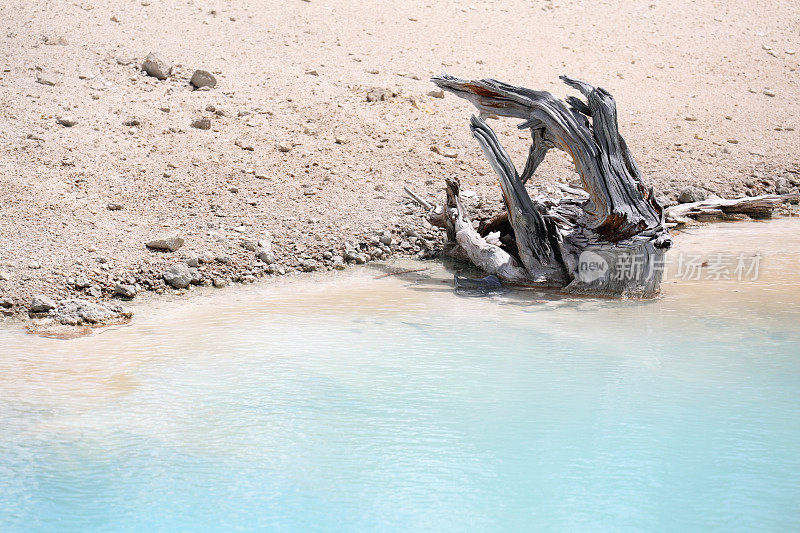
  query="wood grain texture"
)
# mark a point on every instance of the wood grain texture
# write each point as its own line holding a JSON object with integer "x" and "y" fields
{"x": 608, "y": 238}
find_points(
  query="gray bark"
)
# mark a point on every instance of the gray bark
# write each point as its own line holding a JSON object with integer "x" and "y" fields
{"x": 609, "y": 238}
{"x": 722, "y": 208}
{"x": 614, "y": 217}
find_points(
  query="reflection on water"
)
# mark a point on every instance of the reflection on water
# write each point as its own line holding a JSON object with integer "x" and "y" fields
{"x": 356, "y": 403}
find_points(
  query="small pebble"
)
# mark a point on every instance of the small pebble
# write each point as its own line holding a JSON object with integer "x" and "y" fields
{"x": 203, "y": 78}
{"x": 67, "y": 121}
{"x": 125, "y": 290}
{"x": 156, "y": 67}
{"x": 166, "y": 244}
{"x": 45, "y": 79}
{"x": 202, "y": 123}
{"x": 42, "y": 304}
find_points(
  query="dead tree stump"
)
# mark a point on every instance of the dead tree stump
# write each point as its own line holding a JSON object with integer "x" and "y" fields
{"x": 609, "y": 240}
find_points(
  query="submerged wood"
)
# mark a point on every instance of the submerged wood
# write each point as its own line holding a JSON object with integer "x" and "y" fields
{"x": 609, "y": 239}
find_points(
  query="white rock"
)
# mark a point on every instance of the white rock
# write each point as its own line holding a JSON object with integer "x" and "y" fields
{"x": 266, "y": 256}
{"x": 308, "y": 265}
{"x": 67, "y": 121}
{"x": 45, "y": 79}
{"x": 75, "y": 311}
{"x": 166, "y": 244}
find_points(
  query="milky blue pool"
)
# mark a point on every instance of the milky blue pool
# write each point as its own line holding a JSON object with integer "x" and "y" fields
{"x": 362, "y": 404}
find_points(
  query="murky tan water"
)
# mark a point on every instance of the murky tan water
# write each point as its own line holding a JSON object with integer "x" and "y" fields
{"x": 101, "y": 364}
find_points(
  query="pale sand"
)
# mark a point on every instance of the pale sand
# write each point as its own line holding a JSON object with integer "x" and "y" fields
{"x": 665, "y": 62}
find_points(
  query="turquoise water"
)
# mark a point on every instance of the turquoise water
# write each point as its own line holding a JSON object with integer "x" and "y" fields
{"x": 393, "y": 404}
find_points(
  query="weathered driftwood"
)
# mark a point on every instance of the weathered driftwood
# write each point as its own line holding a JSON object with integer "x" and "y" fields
{"x": 464, "y": 242}
{"x": 721, "y": 208}
{"x": 608, "y": 240}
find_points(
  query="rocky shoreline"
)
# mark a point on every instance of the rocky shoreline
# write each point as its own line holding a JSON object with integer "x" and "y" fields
{"x": 97, "y": 297}
{"x": 277, "y": 139}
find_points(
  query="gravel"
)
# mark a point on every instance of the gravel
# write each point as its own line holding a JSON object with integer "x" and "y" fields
{"x": 172, "y": 178}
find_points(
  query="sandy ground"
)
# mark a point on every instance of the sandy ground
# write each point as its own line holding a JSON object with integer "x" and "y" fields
{"x": 706, "y": 91}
